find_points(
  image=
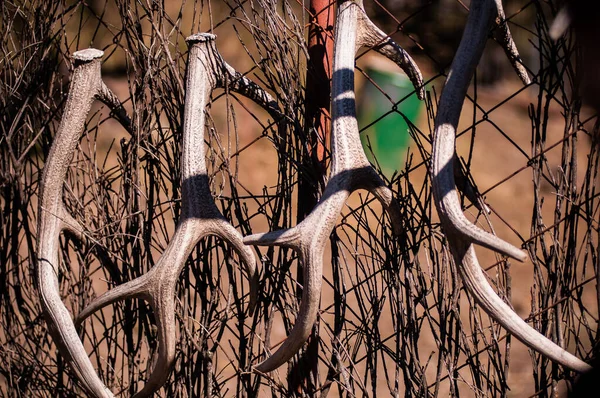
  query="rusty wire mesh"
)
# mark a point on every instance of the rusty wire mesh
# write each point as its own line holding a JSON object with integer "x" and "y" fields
{"x": 394, "y": 319}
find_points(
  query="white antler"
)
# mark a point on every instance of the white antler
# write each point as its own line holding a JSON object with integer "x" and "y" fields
{"x": 350, "y": 170}
{"x": 200, "y": 216}
{"x": 461, "y": 233}
{"x": 86, "y": 85}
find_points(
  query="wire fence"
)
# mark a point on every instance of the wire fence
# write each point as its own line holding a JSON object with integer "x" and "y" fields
{"x": 393, "y": 318}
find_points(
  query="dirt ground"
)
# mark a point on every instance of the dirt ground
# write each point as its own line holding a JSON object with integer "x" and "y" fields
{"x": 499, "y": 143}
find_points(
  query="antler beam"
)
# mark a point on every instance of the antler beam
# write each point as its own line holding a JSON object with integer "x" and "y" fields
{"x": 86, "y": 86}
{"x": 350, "y": 170}
{"x": 461, "y": 233}
{"x": 200, "y": 217}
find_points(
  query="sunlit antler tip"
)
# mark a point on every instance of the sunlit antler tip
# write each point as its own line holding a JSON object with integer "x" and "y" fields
{"x": 200, "y": 38}
{"x": 87, "y": 55}
{"x": 253, "y": 239}
{"x": 522, "y": 257}
{"x": 283, "y": 237}
{"x": 560, "y": 24}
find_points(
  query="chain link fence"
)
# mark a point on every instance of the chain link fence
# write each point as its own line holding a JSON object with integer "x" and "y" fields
{"x": 393, "y": 318}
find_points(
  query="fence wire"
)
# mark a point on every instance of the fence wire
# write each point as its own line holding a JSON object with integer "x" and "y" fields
{"x": 393, "y": 319}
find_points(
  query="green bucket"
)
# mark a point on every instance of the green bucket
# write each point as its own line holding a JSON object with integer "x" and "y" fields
{"x": 387, "y": 137}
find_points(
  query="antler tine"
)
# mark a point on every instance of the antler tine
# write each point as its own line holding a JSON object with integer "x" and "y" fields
{"x": 132, "y": 289}
{"x": 561, "y": 22}
{"x": 371, "y": 36}
{"x": 226, "y": 231}
{"x": 85, "y": 86}
{"x": 249, "y": 89}
{"x": 350, "y": 170}
{"x": 477, "y": 285}
{"x": 504, "y": 37}
{"x": 461, "y": 234}
{"x": 112, "y": 101}
{"x": 200, "y": 216}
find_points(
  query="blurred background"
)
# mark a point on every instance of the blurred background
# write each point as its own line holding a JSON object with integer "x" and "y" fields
{"x": 394, "y": 319}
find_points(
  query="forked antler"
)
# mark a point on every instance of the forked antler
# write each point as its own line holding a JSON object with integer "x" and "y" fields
{"x": 461, "y": 233}
{"x": 86, "y": 85}
{"x": 200, "y": 216}
{"x": 350, "y": 170}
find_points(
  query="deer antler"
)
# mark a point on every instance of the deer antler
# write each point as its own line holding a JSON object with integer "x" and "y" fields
{"x": 460, "y": 232}
{"x": 200, "y": 216}
{"x": 86, "y": 85}
{"x": 504, "y": 37}
{"x": 371, "y": 36}
{"x": 350, "y": 170}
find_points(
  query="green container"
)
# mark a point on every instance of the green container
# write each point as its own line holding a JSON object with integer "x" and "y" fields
{"x": 387, "y": 135}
